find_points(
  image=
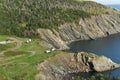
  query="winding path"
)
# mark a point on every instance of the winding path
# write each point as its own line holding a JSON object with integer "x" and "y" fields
{"x": 18, "y": 45}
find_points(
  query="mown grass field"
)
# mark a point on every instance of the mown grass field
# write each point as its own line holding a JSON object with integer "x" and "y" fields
{"x": 21, "y": 64}
{"x": 4, "y": 47}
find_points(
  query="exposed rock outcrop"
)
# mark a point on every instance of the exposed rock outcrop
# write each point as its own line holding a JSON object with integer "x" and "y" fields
{"x": 56, "y": 68}
{"x": 52, "y": 39}
{"x": 87, "y": 28}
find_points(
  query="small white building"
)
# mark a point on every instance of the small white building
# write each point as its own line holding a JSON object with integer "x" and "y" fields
{"x": 53, "y": 49}
{"x": 29, "y": 40}
{"x": 47, "y": 51}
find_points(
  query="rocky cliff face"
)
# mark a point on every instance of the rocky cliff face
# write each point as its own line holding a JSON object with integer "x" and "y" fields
{"x": 87, "y": 28}
{"x": 62, "y": 21}
{"x": 56, "y": 68}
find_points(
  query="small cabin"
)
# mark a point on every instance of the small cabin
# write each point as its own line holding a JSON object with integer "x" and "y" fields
{"x": 47, "y": 51}
{"x": 53, "y": 49}
{"x": 29, "y": 40}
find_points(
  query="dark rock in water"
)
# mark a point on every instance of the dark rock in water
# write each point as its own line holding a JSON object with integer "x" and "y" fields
{"x": 56, "y": 68}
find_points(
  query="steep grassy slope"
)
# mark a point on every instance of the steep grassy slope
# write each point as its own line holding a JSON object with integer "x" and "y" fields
{"x": 23, "y": 17}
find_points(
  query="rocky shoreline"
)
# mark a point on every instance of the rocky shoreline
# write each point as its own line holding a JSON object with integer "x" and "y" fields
{"x": 87, "y": 28}
{"x": 57, "y": 67}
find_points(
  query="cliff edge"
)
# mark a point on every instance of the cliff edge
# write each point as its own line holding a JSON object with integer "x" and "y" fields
{"x": 60, "y": 66}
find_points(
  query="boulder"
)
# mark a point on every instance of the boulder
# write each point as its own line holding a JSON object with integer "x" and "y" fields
{"x": 103, "y": 63}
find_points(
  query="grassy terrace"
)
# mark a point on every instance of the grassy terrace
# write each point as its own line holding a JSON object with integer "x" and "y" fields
{"x": 21, "y": 63}
{"x": 5, "y": 47}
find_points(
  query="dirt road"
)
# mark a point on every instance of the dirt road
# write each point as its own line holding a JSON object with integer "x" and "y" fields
{"x": 18, "y": 45}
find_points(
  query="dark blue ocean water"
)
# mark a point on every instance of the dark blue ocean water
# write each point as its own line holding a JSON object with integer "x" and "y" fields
{"x": 109, "y": 46}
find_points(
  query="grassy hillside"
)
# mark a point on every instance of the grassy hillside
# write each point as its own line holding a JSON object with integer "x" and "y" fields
{"x": 4, "y": 47}
{"x": 21, "y": 64}
{"x": 23, "y": 17}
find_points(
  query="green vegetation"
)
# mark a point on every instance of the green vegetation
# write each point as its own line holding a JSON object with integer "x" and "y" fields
{"x": 21, "y": 64}
{"x": 3, "y": 46}
{"x": 6, "y": 46}
{"x": 97, "y": 77}
{"x": 23, "y": 17}
{"x": 3, "y": 38}
{"x": 14, "y": 53}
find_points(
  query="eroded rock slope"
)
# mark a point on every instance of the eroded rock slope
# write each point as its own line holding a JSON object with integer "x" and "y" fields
{"x": 56, "y": 68}
{"x": 88, "y": 28}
